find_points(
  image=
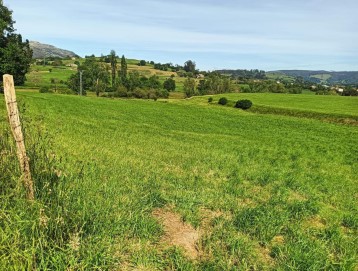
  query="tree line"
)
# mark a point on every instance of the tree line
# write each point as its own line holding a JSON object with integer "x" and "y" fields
{"x": 104, "y": 75}
{"x": 213, "y": 83}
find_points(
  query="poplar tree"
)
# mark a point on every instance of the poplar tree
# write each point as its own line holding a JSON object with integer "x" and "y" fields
{"x": 113, "y": 61}
{"x": 123, "y": 72}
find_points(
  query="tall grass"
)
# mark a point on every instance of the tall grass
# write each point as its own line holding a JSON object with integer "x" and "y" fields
{"x": 283, "y": 189}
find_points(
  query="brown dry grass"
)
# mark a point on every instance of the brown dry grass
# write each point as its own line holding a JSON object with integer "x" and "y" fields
{"x": 177, "y": 233}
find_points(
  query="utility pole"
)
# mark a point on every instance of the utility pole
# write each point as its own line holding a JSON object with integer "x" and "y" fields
{"x": 81, "y": 72}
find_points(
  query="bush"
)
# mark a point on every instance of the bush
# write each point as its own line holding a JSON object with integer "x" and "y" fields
{"x": 65, "y": 91}
{"x": 210, "y": 100}
{"x": 45, "y": 89}
{"x": 243, "y": 104}
{"x": 222, "y": 101}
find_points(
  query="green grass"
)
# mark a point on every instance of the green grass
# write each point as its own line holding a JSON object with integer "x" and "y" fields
{"x": 323, "y": 77}
{"x": 41, "y": 76}
{"x": 280, "y": 76}
{"x": 299, "y": 104}
{"x": 284, "y": 187}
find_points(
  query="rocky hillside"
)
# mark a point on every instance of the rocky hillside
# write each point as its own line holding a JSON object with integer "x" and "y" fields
{"x": 41, "y": 50}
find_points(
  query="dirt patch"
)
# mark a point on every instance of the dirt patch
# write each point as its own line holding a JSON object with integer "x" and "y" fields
{"x": 178, "y": 233}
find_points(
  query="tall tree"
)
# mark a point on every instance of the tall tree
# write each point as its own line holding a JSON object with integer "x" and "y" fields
{"x": 95, "y": 76}
{"x": 123, "y": 72}
{"x": 113, "y": 60}
{"x": 15, "y": 55}
{"x": 189, "y": 66}
{"x": 189, "y": 87}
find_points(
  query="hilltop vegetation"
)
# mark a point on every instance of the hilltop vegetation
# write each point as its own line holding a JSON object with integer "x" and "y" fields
{"x": 321, "y": 77}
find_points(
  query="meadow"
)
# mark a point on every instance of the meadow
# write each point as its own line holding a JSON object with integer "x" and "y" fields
{"x": 333, "y": 108}
{"x": 259, "y": 191}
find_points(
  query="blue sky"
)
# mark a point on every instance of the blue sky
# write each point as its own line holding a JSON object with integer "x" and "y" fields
{"x": 269, "y": 35}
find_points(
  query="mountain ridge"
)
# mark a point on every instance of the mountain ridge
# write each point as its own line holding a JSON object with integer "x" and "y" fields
{"x": 41, "y": 50}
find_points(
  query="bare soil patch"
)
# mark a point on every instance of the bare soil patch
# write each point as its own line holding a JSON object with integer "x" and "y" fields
{"x": 177, "y": 233}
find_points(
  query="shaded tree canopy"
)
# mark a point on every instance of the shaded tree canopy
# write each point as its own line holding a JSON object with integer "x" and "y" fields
{"x": 169, "y": 84}
{"x": 189, "y": 66}
{"x": 15, "y": 55}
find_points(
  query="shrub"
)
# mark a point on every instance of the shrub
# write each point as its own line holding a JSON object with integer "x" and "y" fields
{"x": 210, "y": 100}
{"x": 65, "y": 91}
{"x": 222, "y": 101}
{"x": 243, "y": 104}
{"x": 45, "y": 89}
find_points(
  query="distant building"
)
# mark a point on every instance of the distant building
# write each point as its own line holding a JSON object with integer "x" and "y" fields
{"x": 200, "y": 76}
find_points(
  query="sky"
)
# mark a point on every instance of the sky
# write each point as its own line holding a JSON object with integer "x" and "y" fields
{"x": 226, "y": 34}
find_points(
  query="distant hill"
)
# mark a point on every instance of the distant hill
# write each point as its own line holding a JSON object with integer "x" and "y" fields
{"x": 323, "y": 77}
{"x": 41, "y": 50}
{"x": 244, "y": 74}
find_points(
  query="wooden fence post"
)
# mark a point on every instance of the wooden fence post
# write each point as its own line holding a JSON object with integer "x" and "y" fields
{"x": 15, "y": 124}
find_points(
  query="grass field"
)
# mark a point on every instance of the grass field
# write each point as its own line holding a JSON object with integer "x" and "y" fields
{"x": 279, "y": 76}
{"x": 323, "y": 77}
{"x": 259, "y": 191}
{"x": 302, "y": 105}
{"x": 41, "y": 76}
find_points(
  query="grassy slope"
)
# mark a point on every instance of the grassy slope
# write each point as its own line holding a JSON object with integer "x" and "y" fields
{"x": 41, "y": 76}
{"x": 331, "y": 105}
{"x": 286, "y": 186}
{"x": 323, "y": 77}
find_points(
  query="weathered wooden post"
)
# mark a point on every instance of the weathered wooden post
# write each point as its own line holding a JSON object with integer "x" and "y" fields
{"x": 15, "y": 124}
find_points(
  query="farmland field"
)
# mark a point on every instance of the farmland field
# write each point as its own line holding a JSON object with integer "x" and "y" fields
{"x": 259, "y": 191}
{"x": 331, "y": 108}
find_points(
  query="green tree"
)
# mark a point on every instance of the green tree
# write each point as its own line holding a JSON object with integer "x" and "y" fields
{"x": 133, "y": 81}
{"x": 154, "y": 82}
{"x": 169, "y": 84}
{"x": 95, "y": 76}
{"x": 15, "y": 55}
{"x": 113, "y": 61}
{"x": 189, "y": 66}
{"x": 142, "y": 63}
{"x": 189, "y": 87}
{"x": 123, "y": 71}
